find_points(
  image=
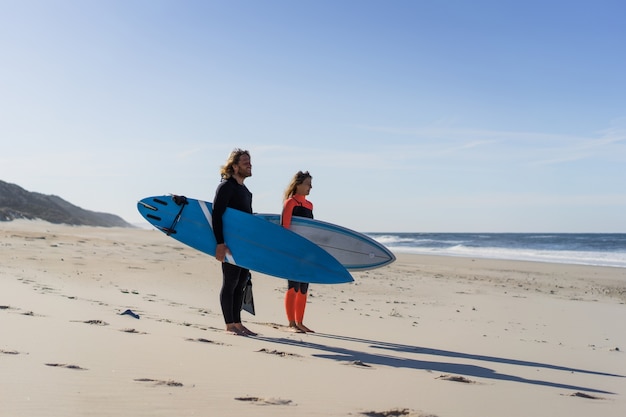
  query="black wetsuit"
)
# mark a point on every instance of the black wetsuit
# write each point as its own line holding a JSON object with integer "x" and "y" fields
{"x": 236, "y": 196}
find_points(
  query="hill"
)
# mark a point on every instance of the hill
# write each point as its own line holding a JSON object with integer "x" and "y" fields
{"x": 17, "y": 203}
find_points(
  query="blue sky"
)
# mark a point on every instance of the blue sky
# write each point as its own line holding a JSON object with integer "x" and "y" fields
{"x": 434, "y": 116}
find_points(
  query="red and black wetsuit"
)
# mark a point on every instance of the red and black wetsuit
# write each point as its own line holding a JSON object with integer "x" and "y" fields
{"x": 299, "y": 206}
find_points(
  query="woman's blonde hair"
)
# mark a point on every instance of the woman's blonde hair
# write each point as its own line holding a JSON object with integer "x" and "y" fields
{"x": 295, "y": 181}
{"x": 227, "y": 170}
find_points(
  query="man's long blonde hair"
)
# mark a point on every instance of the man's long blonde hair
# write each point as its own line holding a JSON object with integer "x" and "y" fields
{"x": 227, "y": 170}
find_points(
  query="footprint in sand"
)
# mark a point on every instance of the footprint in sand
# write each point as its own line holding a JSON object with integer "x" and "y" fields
{"x": 265, "y": 401}
{"x": 359, "y": 364}
{"x": 92, "y": 322}
{"x": 393, "y": 413}
{"x": 456, "y": 379}
{"x": 160, "y": 382}
{"x": 133, "y": 331}
{"x": 587, "y": 396}
{"x": 203, "y": 340}
{"x": 23, "y": 313}
{"x": 278, "y": 353}
{"x": 62, "y": 365}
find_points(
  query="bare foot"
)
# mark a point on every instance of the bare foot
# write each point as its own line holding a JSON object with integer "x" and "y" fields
{"x": 303, "y": 328}
{"x": 246, "y": 331}
{"x": 294, "y": 327}
{"x": 234, "y": 329}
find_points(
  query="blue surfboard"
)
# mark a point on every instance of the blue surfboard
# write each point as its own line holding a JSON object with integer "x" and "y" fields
{"x": 255, "y": 244}
{"x": 354, "y": 250}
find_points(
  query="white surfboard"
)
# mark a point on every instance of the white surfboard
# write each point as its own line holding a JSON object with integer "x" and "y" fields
{"x": 354, "y": 250}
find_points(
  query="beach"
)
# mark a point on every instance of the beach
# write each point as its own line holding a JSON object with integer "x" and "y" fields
{"x": 426, "y": 336}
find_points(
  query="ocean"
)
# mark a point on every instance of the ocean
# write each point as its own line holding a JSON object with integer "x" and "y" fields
{"x": 601, "y": 249}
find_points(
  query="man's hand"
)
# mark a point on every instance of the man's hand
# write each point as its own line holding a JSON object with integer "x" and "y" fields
{"x": 220, "y": 252}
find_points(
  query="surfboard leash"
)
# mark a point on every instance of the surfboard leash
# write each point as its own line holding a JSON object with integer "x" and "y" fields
{"x": 181, "y": 201}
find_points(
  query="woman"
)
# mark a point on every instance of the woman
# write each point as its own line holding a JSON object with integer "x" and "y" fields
{"x": 296, "y": 204}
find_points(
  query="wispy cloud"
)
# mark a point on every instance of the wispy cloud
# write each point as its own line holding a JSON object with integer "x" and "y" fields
{"x": 609, "y": 143}
{"x": 529, "y": 200}
{"x": 527, "y": 148}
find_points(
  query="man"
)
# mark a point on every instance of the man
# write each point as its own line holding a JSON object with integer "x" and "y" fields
{"x": 231, "y": 192}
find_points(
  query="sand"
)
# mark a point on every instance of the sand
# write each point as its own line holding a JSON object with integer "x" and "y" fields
{"x": 426, "y": 336}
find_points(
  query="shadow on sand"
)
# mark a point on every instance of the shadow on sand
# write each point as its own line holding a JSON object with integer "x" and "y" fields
{"x": 387, "y": 359}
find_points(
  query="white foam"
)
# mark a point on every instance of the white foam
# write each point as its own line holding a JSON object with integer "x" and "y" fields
{"x": 613, "y": 259}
